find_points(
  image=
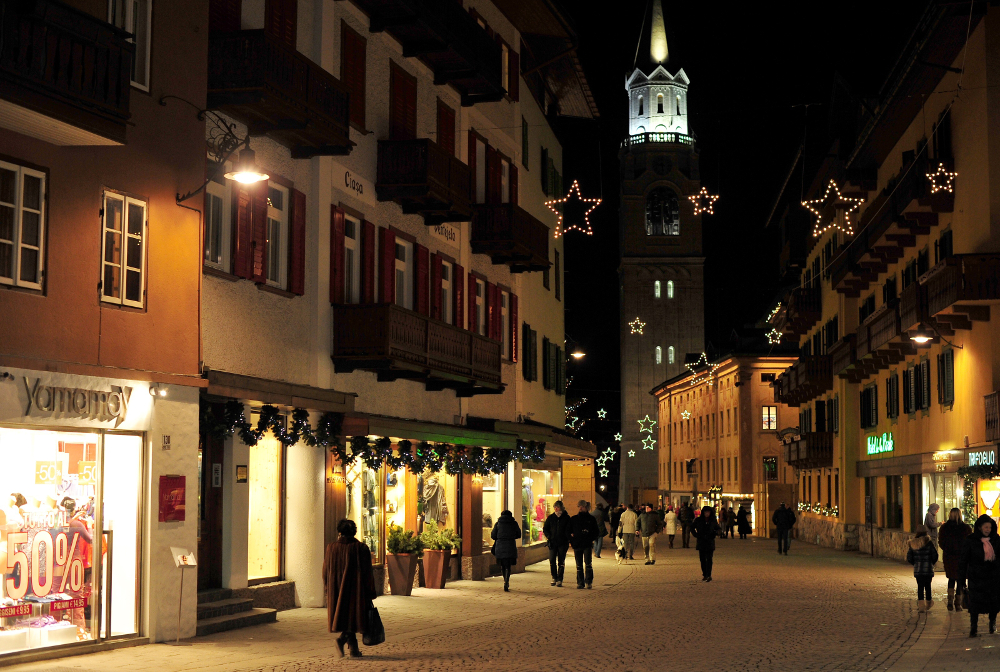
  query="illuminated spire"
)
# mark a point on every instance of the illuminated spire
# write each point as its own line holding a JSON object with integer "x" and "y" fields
{"x": 658, "y": 51}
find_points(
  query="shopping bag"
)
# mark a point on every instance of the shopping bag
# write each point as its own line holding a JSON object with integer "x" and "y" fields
{"x": 374, "y": 632}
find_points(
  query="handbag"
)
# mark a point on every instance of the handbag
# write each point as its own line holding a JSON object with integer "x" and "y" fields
{"x": 374, "y": 631}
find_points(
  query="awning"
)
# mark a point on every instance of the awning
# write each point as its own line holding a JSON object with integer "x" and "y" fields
{"x": 235, "y": 386}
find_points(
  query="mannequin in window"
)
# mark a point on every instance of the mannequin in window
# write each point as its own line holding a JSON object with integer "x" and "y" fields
{"x": 435, "y": 507}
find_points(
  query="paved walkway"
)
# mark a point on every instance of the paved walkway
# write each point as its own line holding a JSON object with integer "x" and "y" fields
{"x": 815, "y": 609}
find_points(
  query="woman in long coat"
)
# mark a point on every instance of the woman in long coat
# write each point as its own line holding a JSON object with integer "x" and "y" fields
{"x": 349, "y": 585}
{"x": 951, "y": 536}
{"x": 979, "y": 567}
{"x": 743, "y": 523}
{"x": 705, "y": 529}
{"x": 506, "y": 532}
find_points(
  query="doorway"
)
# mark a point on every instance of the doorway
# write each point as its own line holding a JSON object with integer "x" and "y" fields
{"x": 211, "y": 451}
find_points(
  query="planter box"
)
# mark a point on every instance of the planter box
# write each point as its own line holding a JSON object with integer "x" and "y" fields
{"x": 401, "y": 567}
{"x": 436, "y": 564}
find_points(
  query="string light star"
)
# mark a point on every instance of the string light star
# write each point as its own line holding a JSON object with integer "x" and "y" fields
{"x": 826, "y": 209}
{"x": 604, "y": 473}
{"x": 648, "y": 443}
{"x": 602, "y": 414}
{"x": 942, "y": 180}
{"x": 686, "y": 415}
{"x": 618, "y": 437}
{"x": 559, "y": 206}
{"x": 774, "y": 337}
{"x": 704, "y": 375}
{"x": 703, "y": 202}
{"x": 631, "y": 453}
{"x": 637, "y": 326}
{"x": 642, "y": 422}
{"x": 608, "y": 454}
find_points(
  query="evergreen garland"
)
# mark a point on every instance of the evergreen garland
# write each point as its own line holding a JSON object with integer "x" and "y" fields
{"x": 970, "y": 475}
{"x": 233, "y": 421}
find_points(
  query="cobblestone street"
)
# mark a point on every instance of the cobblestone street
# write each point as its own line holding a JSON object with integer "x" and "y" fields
{"x": 815, "y": 609}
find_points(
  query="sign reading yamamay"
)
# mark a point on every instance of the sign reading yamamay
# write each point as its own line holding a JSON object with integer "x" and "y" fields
{"x": 880, "y": 444}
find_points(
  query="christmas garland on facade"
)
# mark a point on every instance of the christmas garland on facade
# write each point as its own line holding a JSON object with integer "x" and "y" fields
{"x": 233, "y": 421}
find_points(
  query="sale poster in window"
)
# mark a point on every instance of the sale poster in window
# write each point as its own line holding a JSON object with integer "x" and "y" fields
{"x": 172, "y": 491}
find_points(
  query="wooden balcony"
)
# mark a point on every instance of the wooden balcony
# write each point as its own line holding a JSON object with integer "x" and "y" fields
{"x": 814, "y": 450}
{"x": 447, "y": 39}
{"x": 992, "y": 416}
{"x": 398, "y": 343}
{"x": 805, "y": 380}
{"x": 64, "y": 74}
{"x": 961, "y": 288}
{"x": 913, "y": 307}
{"x": 803, "y": 311}
{"x": 511, "y": 236}
{"x": 423, "y": 179}
{"x": 276, "y": 91}
{"x": 843, "y": 357}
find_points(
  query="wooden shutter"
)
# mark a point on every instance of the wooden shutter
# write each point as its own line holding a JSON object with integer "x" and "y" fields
{"x": 820, "y": 416}
{"x": 402, "y": 104}
{"x": 560, "y": 372}
{"x": 514, "y": 73}
{"x": 526, "y": 352}
{"x": 436, "y": 264}
{"x": 387, "y": 266}
{"x": 473, "y": 313}
{"x": 493, "y": 177}
{"x": 874, "y": 404}
{"x": 337, "y": 270}
{"x": 925, "y": 370}
{"x": 224, "y": 16}
{"x": 353, "y": 49}
{"x": 546, "y": 380}
{"x": 368, "y": 262}
{"x": 458, "y": 295}
{"x": 513, "y": 184}
{"x": 421, "y": 260}
{"x": 514, "y": 342}
{"x": 940, "y": 378}
{"x": 949, "y": 377}
{"x": 243, "y": 233}
{"x": 446, "y": 127}
{"x": 297, "y": 244}
{"x": 258, "y": 228}
{"x": 280, "y": 20}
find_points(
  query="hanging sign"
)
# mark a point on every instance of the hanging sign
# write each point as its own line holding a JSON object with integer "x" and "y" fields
{"x": 880, "y": 444}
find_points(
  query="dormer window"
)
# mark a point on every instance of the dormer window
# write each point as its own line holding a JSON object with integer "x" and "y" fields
{"x": 659, "y": 103}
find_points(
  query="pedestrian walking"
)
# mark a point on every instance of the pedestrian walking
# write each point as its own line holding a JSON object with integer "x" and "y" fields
{"x": 743, "y": 523}
{"x": 628, "y": 525}
{"x": 923, "y": 555}
{"x": 687, "y": 519}
{"x": 783, "y": 519}
{"x": 505, "y": 533}
{"x": 731, "y": 522}
{"x": 601, "y": 518}
{"x": 557, "y": 531}
{"x": 724, "y": 520}
{"x": 583, "y": 532}
{"x": 950, "y": 537}
{"x": 670, "y": 526}
{"x": 979, "y": 569}
{"x": 705, "y": 529}
{"x": 649, "y": 526}
{"x": 931, "y": 522}
{"x": 349, "y": 585}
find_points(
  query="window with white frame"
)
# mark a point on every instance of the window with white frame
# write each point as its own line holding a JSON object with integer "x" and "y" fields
{"x": 670, "y": 355}
{"x": 404, "y": 281}
{"x": 277, "y": 235}
{"x": 124, "y": 265}
{"x": 769, "y": 417}
{"x": 446, "y": 273}
{"x": 504, "y": 181}
{"x": 352, "y": 261}
{"x": 656, "y": 289}
{"x": 135, "y": 17}
{"x": 670, "y": 289}
{"x": 217, "y": 225}
{"x": 22, "y": 222}
{"x": 481, "y": 307}
{"x": 659, "y": 355}
{"x": 505, "y": 324}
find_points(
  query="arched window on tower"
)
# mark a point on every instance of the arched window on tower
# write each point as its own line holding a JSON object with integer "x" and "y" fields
{"x": 678, "y": 104}
{"x": 656, "y": 289}
{"x": 670, "y": 289}
{"x": 659, "y": 103}
{"x": 663, "y": 215}
{"x": 659, "y": 355}
{"x": 670, "y": 355}
{"x": 640, "y": 106}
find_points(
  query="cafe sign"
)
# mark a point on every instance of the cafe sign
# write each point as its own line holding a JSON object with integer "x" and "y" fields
{"x": 101, "y": 405}
{"x": 880, "y": 444}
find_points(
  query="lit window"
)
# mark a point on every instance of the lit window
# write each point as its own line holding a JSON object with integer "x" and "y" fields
{"x": 640, "y": 106}
{"x": 656, "y": 289}
{"x": 22, "y": 220}
{"x": 124, "y": 254}
{"x": 659, "y": 355}
{"x": 670, "y": 355}
{"x": 678, "y": 104}
{"x": 277, "y": 235}
{"x": 217, "y": 225}
{"x": 670, "y": 289}
{"x": 659, "y": 103}
{"x": 133, "y": 16}
{"x": 769, "y": 417}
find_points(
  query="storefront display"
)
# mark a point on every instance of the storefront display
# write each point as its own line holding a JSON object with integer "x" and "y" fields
{"x": 265, "y": 473}
{"x": 437, "y": 499}
{"x": 494, "y": 501}
{"x": 941, "y": 489}
{"x": 364, "y": 505}
{"x": 540, "y": 489}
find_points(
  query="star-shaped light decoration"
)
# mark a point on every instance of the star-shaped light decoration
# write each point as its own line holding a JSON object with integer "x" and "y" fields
{"x": 636, "y": 326}
{"x": 686, "y": 415}
{"x": 602, "y": 414}
{"x": 575, "y": 210}
{"x": 774, "y": 337}
{"x": 604, "y": 473}
{"x": 618, "y": 437}
{"x": 642, "y": 427}
{"x": 703, "y": 202}
{"x": 704, "y": 375}
{"x": 942, "y": 180}
{"x": 826, "y": 210}
{"x": 608, "y": 454}
{"x": 648, "y": 443}
{"x": 631, "y": 453}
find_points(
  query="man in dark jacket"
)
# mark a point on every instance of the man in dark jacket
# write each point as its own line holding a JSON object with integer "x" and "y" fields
{"x": 583, "y": 532}
{"x": 783, "y": 519}
{"x": 557, "y": 531}
{"x": 649, "y": 525}
{"x": 706, "y": 529}
{"x": 687, "y": 518}
{"x": 601, "y": 519}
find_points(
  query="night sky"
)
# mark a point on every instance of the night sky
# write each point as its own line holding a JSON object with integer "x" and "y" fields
{"x": 753, "y": 69}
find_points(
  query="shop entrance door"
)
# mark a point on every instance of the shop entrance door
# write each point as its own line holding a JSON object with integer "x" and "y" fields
{"x": 210, "y": 489}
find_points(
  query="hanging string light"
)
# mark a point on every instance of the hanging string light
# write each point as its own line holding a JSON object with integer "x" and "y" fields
{"x": 825, "y": 209}
{"x": 704, "y": 202}
{"x": 942, "y": 180}
{"x": 637, "y": 326}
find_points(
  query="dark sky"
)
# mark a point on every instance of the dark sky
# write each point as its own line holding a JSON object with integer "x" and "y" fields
{"x": 752, "y": 68}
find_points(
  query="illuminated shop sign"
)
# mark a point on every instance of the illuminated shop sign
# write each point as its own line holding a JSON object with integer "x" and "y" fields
{"x": 880, "y": 444}
{"x": 985, "y": 457}
{"x": 101, "y": 405}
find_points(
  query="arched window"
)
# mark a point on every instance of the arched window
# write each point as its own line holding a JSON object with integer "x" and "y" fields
{"x": 656, "y": 289}
{"x": 659, "y": 355}
{"x": 670, "y": 289}
{"x": 640, "y": 106}
{"x": 659, "y": 103}
{"x": 663, "y": 216}
{"x": 642, "y": 129}
{"x": 678, "y": 104}
{"x": 660, "y": 128}
{"x": 670, "y": 355}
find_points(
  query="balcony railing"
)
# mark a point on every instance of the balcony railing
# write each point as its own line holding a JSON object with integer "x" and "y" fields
{"x": 66, "y": 66}
{"x": 992, "y": 416}
{"x": 814, "y": 450}
{"x": 398, "y": 343}
{"x": 883, "y": 327}
{"x": 863, "y": 348}
{"x": 276, "y": 91}
{"x": 424, "y": 179}
{"x": 913, "y": 306}
{"x": 804, "y": 310}
{"x": 805, "y": 380}
{"x": 960, "y": 278}
{"x": 666, "y": 138}
{"x": 511, "y": 236}
{"x": 843, "y": 356}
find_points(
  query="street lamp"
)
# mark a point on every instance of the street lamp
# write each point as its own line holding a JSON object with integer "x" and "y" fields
{"x": 246, "y": 171}
{"x": 922, "y": 336}
{"x": 578, "y": 354}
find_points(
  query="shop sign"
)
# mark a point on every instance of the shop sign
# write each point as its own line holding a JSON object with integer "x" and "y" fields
{"x": 450, "y": 234}
{"x": 100, "y": 405}
{"x": 880, "y": 444}
{"x": 348, "y": 180}
{"x": 982, "y": 458}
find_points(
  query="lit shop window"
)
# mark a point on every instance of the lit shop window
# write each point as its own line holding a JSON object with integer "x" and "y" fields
{"x": 266, "y": 474}
{"x": 540, "y": 489}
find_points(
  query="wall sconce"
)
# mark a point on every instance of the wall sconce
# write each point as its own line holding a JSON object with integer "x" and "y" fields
{"x": 155, "y": 390}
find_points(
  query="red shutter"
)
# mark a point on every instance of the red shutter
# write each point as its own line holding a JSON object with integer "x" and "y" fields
{"x": 421, "y": 270}
{"x": 258, "y": 228}
{"x": 387, "y": 267}
{"x": 446, "y": 128}
{"x": 473, "y": 314}
{"x": 352, "y": 71}
{"x": 491, "y": 310}
{"x": 280, "y": 20}
{"x": 514, "y": 331}
{"x": 493, "y": 184}
{"x": 472, "y": 166}
{"x": 368, "y": 267}
{"x": 436, "y": 286}
{"x": 458, "y": 295}
{"x": 513, "y": 184}
{"x": 297, "y": 244}
{"x": 514, "y": 72}
{"x": 243, "y": 238}
{"x": 337, "y": 277}
{"x": 402, "y": 104}
{"x": 224, "y": 16}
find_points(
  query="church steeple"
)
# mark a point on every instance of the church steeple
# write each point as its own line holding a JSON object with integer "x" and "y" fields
{"x": 658, "y": 51}
{"x": 657, "y": 100}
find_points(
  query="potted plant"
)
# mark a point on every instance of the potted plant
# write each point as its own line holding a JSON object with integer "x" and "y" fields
{"x": 438, "y": 545}
{"x": 403, "y": 548}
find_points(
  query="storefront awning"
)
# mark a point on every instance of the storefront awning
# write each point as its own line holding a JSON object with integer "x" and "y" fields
{"x": 415, "y": 430}
{"x": 235, "y": 386}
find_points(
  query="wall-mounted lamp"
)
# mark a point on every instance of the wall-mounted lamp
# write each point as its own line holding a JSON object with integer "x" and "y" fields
{"x": 578, "y": 354}
{"x": 156, "y": 390}
{"x": 922, "y": 336}
{"x": 246, "y": 170}
{"x": 6, "y": 375}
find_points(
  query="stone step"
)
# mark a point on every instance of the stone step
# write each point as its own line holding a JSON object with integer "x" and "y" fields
{"x": 233, "y": 605}
{"x": 214, "y": 595}
{"x": 243, "y": 619}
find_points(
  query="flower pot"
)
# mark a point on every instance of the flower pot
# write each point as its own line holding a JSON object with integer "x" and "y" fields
{"x": 437, "y": 566}
{"x": 401, "y": 568}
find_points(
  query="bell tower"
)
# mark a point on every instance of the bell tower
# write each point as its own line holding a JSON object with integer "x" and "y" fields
{"x": 661, "y": 274}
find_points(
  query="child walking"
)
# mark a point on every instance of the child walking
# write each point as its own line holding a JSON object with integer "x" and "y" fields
{"x": 923, "y": 556}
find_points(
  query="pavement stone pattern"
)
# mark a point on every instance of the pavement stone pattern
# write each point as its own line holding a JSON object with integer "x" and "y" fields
{"x": 815, "y": 609}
